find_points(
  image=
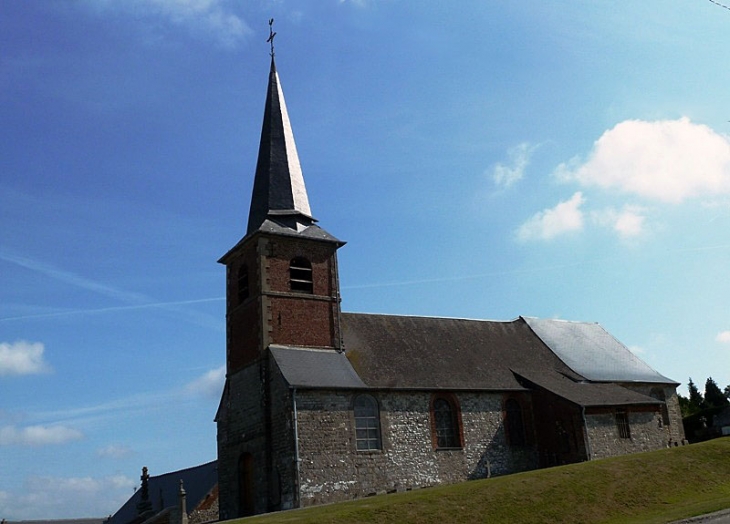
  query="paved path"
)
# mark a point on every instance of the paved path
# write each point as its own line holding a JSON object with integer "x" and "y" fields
{"x": 719, "y": 517}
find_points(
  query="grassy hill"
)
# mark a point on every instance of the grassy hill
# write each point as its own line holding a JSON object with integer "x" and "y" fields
{"x": 654, "y": 487}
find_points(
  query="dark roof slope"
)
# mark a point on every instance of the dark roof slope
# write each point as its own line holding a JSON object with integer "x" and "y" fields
{"x": 434, "y": 353}
{"x": 278, "y": 187}
{"x": 401, "y": 352}
{"x": 586, "y": 394}
{"x": 164, "y": 491}
{"x": 315, "y": 368}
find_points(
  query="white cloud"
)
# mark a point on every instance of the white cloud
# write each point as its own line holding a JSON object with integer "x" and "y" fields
{"x": 22, "y": 358}
{"x": 114, "y": 451}
{"x": 211, "y": 18}
{"x": 37, "y": 435}
{"x": 723, "y": 337}
{"x": 563, "y": 218}
{"x": 519, "y": 157}
{"x": 666, "y": 160}
{"x": 628, "y": 222}
{"x": 210, "y": 384}
{"x": 66, "y": 498}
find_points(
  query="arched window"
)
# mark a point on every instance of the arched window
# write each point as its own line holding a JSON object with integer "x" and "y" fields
{"x": 367, "y": 423}
{"x": 514, "y": 423}
{"x": 445, "y": 422}
{"x": 300, "y": 275}
{"x": 242, "y": 283}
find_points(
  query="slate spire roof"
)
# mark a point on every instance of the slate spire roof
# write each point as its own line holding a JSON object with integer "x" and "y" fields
{"x": 279, "y": 203}
{"x": 279, "y": 193}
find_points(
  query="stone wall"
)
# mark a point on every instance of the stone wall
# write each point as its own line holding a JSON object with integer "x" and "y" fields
{"x": 672, "y": 417}
{"x": 206, "y": 510}
{"x": 646, "y": 432}
{"x": 283, "y": 493}
{"x": 255, "y": 420}
{"x": 333, "y": 470}
{"x": 240, "y": 430}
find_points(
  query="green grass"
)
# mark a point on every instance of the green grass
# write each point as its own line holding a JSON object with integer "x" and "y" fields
{"x": 655, "y": 487}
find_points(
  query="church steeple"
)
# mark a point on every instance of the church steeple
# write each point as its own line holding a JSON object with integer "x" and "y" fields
{"x": 279, "y": 193}
{"x": 282, "y": 289}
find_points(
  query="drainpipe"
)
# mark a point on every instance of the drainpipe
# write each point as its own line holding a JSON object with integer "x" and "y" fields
{"x": 296, "y": 447}
{"x": 585, "y": 433}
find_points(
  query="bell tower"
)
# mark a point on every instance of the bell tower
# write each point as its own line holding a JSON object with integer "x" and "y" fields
{"x": 282, "y": 288}
{"x": 282, "y": 283}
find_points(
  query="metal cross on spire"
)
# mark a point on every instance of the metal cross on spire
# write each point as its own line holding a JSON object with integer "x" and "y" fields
{"x": 272, "y": 34}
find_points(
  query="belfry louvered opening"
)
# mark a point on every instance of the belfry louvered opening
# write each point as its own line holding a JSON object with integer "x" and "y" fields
{"x": 300, "y": 275}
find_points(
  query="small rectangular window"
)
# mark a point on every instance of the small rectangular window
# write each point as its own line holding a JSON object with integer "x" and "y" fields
{"x": 622, "y": 423}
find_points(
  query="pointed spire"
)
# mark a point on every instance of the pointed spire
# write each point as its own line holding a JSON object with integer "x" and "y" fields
{"x": 279, "y": 193}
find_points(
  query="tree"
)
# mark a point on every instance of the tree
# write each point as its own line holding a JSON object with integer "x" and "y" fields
{"x": 726, "y": 392}
{"x": 713, "y": 396}
{"x": 696, "y": 402}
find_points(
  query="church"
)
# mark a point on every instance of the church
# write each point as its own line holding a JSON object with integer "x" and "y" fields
{"x": 321, "y": 405}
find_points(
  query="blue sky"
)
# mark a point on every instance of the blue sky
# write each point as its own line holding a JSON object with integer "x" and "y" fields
{"x": 559, "y": 159}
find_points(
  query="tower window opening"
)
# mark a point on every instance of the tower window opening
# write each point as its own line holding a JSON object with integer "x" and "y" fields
{"x": 242, "y": 283}
{"x": 300, "y": 275}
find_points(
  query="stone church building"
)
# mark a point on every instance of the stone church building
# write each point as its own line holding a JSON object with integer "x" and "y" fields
{"x": 322, "y": 406}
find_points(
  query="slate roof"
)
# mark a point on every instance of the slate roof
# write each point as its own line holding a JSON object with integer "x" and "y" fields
{"x": 584, "y": 393}
{"x": 593, "y": 352}
{"x": 198, "y": 481}
{"x": 406, "y": 352}
{"x": 279, "y": 202}
{"x": 316, "y": 368}
{"x": 426, "y": 353}
{"x": 278, "y": 184}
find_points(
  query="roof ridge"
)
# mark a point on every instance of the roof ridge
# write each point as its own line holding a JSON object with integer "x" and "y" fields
{"x": 400, "y": 315}
{"x": 566, "y": 320}
{"x": 183, "y": 470}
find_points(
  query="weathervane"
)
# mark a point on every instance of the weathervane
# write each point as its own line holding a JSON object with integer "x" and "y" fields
{"x": 272, "y": 34}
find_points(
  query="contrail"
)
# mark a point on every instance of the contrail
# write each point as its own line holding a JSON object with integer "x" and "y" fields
{"x": 71, "y": 278}
{"x": 134, "y": 300}
{"x": 113, "y": 308}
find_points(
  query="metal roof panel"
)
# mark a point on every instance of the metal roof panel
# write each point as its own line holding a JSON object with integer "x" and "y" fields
{"x": 591, "y": 351}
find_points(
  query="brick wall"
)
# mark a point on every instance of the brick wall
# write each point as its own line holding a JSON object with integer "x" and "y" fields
{"x": 301, "y": 319}
{"x": 272, "y": 313}
{"x": 280, "y": 253}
